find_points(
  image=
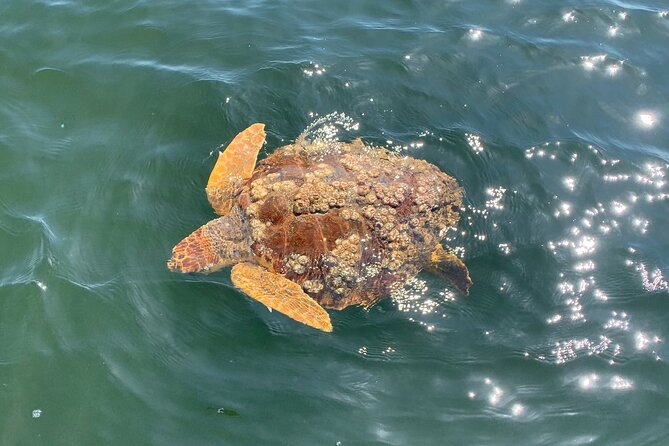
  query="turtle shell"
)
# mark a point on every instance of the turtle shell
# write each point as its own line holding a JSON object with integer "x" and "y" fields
{"x": 347, "y": 221}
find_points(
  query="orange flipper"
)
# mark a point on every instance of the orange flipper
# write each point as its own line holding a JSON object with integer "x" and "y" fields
{"x": 221, "y": 242}
{"x": 449, "y": 265}
{"x": 280, "y": 294}
{"x": 234, "y": 165}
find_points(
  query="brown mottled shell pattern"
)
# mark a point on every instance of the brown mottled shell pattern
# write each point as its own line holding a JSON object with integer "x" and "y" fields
{"x": 347, "y": 221}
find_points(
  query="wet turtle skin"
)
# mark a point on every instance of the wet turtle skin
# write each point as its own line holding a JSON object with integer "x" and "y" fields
{"x": 346, "y": 221}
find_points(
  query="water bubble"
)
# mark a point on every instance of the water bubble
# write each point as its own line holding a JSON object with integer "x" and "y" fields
{"x": 329, "y": 127}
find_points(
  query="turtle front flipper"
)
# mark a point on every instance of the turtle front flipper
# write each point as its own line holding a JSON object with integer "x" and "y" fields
{"x": 280, "y": 294}
{"x": 449, "y": 265}
{"x": 234, "y": 165}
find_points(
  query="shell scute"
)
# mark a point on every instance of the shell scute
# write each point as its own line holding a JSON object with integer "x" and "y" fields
{"x": 275, "y": 210}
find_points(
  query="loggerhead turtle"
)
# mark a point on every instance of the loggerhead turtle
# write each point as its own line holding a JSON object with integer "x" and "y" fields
{"x": 323, "y": 224}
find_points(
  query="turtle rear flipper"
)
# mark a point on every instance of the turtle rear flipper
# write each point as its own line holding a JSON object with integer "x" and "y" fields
{"x": 280, "y": 294}
{"x": 234, "y": 165}
{"x": 450, "y": 266}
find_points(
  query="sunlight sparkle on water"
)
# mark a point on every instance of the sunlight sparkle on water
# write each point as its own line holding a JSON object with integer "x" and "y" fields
{"x": 618, "y": 321}
{"x": 412, "y": 297}
{"x": 613, "y": 69}
{"x": 566, "y": 351}
{"x": 620, "y": 383}
{"x": 641, "y": 225}
{"x": 615, "y": 178}
{"x": 653, "y": 281}
{"x": 448, "y": 295}
{"x": 474, "y": 142}
{"x": 585, "y": 245}
{"x": 554, "y": 319}
{"x": 475, "y": 34}
{"x": 588, "y": 381}
{"x": 496, "y": 196}
{"x": 618, "y": 208}
{"x": 314, "y": 69}
{"x": 504, "y": 248}
{"x": 570, "y": 183}
{"x": 642, "y": 340}
{"x": 591, "y": 62}
{"x": 646, "y": 119}
{"x": 495, "y": 395}
{"x": 600, "y": 295}
{"x": 563, "y": 209}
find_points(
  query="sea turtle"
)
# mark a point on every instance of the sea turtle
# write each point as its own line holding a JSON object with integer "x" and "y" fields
{"x": 323, "y": 224}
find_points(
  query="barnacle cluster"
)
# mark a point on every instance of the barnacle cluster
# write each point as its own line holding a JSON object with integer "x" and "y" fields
{"x": 343, "y": 264}
{"x": 318, "y": 197}
{"x": 297, "y": 263}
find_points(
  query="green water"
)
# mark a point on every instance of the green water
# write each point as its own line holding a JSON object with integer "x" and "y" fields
{"x": 552, "y": 116}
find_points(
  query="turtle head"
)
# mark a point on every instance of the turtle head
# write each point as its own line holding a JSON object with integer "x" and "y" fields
{"x": 221, "y": 242}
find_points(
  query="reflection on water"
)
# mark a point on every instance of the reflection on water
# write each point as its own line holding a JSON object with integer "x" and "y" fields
{"x": 552, "y": 118}
{"x": 584, "y": 231}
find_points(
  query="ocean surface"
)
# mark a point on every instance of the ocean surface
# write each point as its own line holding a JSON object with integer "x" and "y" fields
{"x": 554, "y": 117}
